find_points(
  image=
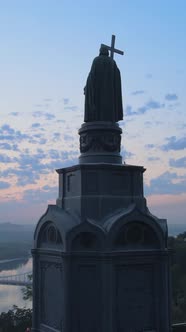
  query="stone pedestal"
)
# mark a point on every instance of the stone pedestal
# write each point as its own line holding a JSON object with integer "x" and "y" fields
{"x": 100, "y": 142}
{"x": 101, "y": 261}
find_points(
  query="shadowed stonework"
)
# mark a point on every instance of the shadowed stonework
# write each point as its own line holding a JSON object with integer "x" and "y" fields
{"x": 101, "y": 262}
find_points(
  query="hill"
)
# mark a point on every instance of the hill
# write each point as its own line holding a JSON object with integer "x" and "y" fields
{"x": 15, "y": 240}
{"x": 10, "y": 232}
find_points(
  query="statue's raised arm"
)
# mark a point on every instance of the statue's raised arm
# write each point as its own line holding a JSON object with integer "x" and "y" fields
{"x": 103, "y": 96}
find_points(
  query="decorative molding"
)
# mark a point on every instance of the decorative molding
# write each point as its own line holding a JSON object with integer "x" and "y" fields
{"x": 100, "y": 141}
{"x": 44, "y": 265}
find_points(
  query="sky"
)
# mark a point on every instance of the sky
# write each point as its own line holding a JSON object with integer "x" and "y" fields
{"x": 47, "y": 48}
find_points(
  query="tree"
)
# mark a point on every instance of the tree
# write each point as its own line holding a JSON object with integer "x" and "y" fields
{"x": 16, "y": 319}
{"x": 182, "y": 236}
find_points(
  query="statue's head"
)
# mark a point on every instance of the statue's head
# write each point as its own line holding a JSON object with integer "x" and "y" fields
{"x": 103, "y": 50}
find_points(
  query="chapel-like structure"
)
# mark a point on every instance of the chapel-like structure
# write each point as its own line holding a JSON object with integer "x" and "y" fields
{"x": 100, "y": 258}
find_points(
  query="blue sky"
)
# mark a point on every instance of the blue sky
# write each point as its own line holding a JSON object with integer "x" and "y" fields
{"x": 47, "y": 48}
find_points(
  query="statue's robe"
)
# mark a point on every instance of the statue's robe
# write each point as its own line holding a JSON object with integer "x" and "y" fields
{"x": 103, "y": 97}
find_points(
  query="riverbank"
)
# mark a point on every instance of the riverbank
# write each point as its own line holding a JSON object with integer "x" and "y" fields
{"x": 11, "y": 294}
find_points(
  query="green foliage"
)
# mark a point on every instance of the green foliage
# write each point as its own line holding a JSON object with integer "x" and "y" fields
{"x": 178, "y": 270}
{"x": 16, "y": 319}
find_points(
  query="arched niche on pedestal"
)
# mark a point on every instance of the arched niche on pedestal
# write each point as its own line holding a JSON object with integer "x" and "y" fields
{"x": 136, "y": 235}
{"x": 86, "y": 237}
{"x": 135, "y": 231}
{"x": 49, "y": 237}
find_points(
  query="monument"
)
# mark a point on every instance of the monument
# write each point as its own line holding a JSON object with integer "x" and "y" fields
{"x": 100, "y": 258}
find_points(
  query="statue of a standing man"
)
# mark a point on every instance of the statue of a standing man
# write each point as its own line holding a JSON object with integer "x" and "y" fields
{"x": 103, "y": 97}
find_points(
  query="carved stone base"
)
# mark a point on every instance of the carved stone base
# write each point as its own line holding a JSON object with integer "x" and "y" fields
{"x": 100, "y": 142}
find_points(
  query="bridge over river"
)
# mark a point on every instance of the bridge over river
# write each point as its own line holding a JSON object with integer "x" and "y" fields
{"x": 22, "y": 279}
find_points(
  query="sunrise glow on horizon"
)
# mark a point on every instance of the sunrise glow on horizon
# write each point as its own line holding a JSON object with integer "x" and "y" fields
{"x": 46, "y": 53}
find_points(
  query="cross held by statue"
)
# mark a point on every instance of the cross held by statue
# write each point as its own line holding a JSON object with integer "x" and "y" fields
{"x": 111, "y": 48}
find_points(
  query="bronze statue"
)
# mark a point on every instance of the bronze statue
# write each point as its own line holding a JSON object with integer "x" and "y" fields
{"x": 103, "y": 97}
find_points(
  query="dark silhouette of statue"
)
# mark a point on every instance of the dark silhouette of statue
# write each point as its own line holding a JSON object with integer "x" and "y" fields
{"x": 103, "y": 97}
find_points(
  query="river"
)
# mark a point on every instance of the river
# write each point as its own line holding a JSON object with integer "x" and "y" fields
{"x": 9, "y": 294}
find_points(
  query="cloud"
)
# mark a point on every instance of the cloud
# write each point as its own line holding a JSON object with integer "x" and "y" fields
{"x": 42, "y": 141}
{"x": 60, "y": 121}
{"x": 174, "y": 144}
{"x": 171, "y": 96}
{"x": 149, "y": 124}
{"x": 7, "y": 146}
{"x": 65, "y": 101}
{"x": 129, "y": 110}
{"x": 38, "y": 195}
{"x": 66, "y": 159}
{"x": 56, "y": 136}
{"x": 14, "y": 113}
{"x": 62, "y": 159}
{"x": 138, "y": 92}
{"x": 6, "y": 129}
{"x": 32, "y": 166}
{"x": 49, "y": 116}
{"x": 167, "y": 183}
{"x": 39, "y": 150}
{"x": 150, "y": 105}
{"x": 173, "y": 106}
{"x": 10, "y": 134}
{"x": 127, "y": 154}
{"x": 36, "y": 125}
{"x": 47, "y": 188}
{"x": 27, "y": 177}
{"x": 68, "y": 137}
{"x": 153, "y": 158}
{"x": 31, "y": 160}
{"x": 70, "y": 108}
{"x": 54, "y": 154}
{"x": 150, "y": 146}
{"x": 5, "y": 159}
{"x": 4, "y": 185}
{"x": 38, "y": 139}
{"x": 178, "y": 163}
{"x": 39, "y": 114}
{"x": 24, "y": 176}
